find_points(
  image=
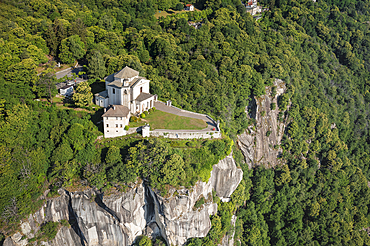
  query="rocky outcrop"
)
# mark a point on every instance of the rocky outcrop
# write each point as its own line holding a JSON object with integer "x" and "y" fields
{"x": 118, "y": 218}
{"x": 225, "y": 178}
{"x": 260, "y": 143}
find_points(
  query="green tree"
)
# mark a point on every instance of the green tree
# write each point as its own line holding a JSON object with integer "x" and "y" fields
{"x": 71, "y": 48}
{"x": 113, "y": 156}
{"x": 179, "y": 7}
{"x": 46, "y": 85}
{"x": 96, "y": 67}
{"x": 62, "y": 153}
{"x": 82, "y": 96}
{"x": 172, "y": 171}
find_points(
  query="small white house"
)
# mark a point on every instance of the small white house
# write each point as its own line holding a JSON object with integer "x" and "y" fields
{"x": 66, "y": 90}
{"x": 115, "y": 118}
{"x": 189, "y": 7}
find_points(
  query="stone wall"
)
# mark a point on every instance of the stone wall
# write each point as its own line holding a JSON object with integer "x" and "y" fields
{"x": 185, "y": 134}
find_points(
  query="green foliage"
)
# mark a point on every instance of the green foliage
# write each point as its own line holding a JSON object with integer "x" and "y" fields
{"x": 96, "y": 67}
{"x": 46, "y": 85}
{"x": 199, "y": 202}
{"x": 273, "y": 106}
{"x": 133, "y": 119}
{"x": 283, "y": 102}
{"x": 82, "y": 96}
{"x": 179, "y": 7}
{"x": 71, "y": 48}
{"x": 48, "y": 231}
{"x": 320, "y": 50}
{"x": 127, "y": 127}
{"x": 142, "y": 115}
{"x": 144, "y": 241}
{"x": 163, "y": 165}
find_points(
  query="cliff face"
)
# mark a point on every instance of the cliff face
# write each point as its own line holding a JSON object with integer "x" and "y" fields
{"x": 117, "y": 219}
{"x": 258, "y": 143}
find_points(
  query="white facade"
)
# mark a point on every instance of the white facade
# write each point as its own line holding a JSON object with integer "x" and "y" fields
{"x": 66, "y": 90}
{"x": 189, "y": 7}
{"x": 115, "y": 126}
{"x": 102, "y": 102}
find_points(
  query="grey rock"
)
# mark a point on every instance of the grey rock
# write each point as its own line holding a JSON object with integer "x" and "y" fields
{"x": 119, "y": 218}
{"x": 257, "y": 146}
{"x": 225, "y": 177}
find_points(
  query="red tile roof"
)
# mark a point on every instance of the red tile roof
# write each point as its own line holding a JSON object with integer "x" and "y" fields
{"x": 188, "y": 5}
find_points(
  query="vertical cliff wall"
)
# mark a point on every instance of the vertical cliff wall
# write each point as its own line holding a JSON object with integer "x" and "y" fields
{"x": 259, "y": 143}
{"x": 118, "y": 218}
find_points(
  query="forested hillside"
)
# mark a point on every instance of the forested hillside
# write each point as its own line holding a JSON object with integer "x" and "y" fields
{"x": 320, "y": 49}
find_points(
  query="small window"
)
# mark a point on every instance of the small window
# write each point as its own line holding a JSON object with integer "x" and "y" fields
{"x": 141, "y": 89}
{"x": 114, "y": 91}
{"x": 121, "y": 118}
{"x": 116, "y": 118}
{"x": 107, "y": 130}
{"x": 107, "y": 125}
{"x": 116, "y": 125}
{"x": 117, "y": 131}
{"x": 121, "y": 125}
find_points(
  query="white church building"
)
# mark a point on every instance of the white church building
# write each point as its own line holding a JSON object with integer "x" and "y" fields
{"x": 126, "y": 94}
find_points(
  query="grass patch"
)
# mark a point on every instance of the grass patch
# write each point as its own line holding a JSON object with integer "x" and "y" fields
{"x": 58, "y": 99}
{"x": 136, "y": 124}
{"x": 163, "y": 120}
{"x": 164, "y": 13}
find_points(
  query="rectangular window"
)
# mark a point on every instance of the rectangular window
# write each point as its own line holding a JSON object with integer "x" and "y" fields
{"x": 116, "y": 118}
{"x": 114, "y": 91}
{"x": 116, "y": 125}
{"x": 141, "y": 89}
{"x": 107, "y": 125}
{"x": 121, "y": 125}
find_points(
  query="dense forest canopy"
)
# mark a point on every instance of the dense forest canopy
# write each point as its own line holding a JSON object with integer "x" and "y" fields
{"x": 320, "y": 49}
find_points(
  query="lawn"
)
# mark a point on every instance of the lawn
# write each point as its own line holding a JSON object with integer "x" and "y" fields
{"x": 164, "y": 13}
{"x": 163, "y": 120}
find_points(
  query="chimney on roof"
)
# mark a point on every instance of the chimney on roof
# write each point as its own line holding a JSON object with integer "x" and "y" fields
{"x": 114, "y": 107}
{"x": 105, "y": 110}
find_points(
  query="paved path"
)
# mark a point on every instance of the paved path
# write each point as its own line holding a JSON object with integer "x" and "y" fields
{"x": 162, "y": 107}
{"x": 68, "y": 72}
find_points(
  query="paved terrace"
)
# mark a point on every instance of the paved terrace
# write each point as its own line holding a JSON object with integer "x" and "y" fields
{"x": 173, "y": 110}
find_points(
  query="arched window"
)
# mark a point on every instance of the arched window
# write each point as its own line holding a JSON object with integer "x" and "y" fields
{"x": 141, "y": 89}
{"x": 125, "y": 91}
